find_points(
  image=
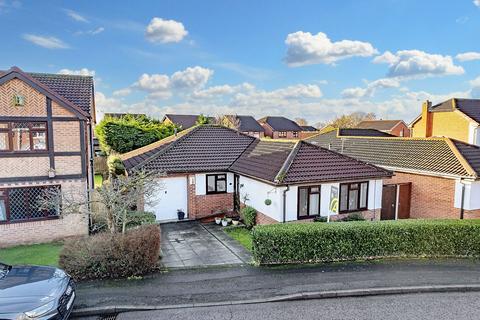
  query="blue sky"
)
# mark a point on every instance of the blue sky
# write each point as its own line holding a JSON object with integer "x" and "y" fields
{"x": 308, "y": 59}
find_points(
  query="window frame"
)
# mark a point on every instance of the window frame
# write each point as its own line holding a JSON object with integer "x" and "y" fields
{"x": 309, "y": 192}
{"x": 295, "y": 134}
{"x": 218, "y": 177}
{"x": 348, "y": 184}
{"x": 6, "y": 196}
{"x": 282, "y": 134}
{"x": 31, "y": 131}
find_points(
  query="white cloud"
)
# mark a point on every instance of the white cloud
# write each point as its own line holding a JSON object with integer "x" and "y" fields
{"x": 164, "y": 31}
{"x": 476, "y": 2}
{"x": 415, "y": 63}
{"x": 371, "y": 88}
{"x": 122, "y": 92}
{"x": 191, "y": 78}
{"x": 46, "y": 41}
{"x": 468, "y": 56}
{"x": 6, "y": 5}
{"x": 76, "y": 16}
{"x": 475, "y": 83}
{"x": 303, "y": 48}
{"x": 80, "y": 72}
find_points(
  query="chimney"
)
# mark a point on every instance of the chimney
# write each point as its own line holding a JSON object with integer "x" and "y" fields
{"x": 427, "y": 118}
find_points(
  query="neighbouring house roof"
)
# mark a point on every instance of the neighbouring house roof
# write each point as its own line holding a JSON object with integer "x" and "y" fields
{"x": 184, "y": 120}
{"x": 210, "y": 148}
{"x": 432, "y": 156}
{"x": 248, "y": 123}
{"x": 280, "y": 124}
{"x": 356, "y": 132}
{"x": 72, "y": 91}
{"x": 470, "y": 107}
{"x": 308, "y": 128}
{"x": 382, "y": 125}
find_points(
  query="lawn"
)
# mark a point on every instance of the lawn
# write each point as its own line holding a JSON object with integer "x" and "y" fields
{"x": 36, "y": 254}
{"x": 242, "y": 235}
{"x": 98, "y": 180}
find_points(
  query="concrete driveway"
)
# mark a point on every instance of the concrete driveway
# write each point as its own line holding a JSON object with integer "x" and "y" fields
{"x": 191, "y": 244}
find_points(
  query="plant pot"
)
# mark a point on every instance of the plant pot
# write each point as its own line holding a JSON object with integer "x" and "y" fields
{"x": 229, "y": 220}
{"x": 218, "y": 220}
{"x": 235, "y": 222}
{"x": 224, "y": 223}
{"x": 181, "y": 215}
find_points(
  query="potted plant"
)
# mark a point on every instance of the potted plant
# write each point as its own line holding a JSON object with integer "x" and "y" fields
{"x": 229, "y": 220}
{"x": 235, "y": 222}
{"x": 180, "y": 214}
{"x": 218, "y": 220}
{"x": 224, "y": 222}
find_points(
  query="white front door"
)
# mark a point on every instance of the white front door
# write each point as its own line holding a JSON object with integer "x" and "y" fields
{"x": 172, "y": 196}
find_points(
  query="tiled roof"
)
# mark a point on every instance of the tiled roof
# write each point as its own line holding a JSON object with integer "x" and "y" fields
{"x": 308, "y": 128}
{"x": 200, "y": 149}
{"x": 470, "y": 107}
{"x": 76, "y": 89}
{"x": 209, "y": 148}
{"x": 263, "y": 159}
{"x": 281, "y": 124}
{"x": 248, "y": 123}
{"x": 384, "y": 125}
{"x": 313, "y": 163}
{"x": 355, "y": 132}
{"x": 437, "y": 156}
{"x": 185, "y": 120}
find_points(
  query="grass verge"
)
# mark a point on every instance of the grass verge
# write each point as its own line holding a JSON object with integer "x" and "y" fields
{"x": 35, "y": 254}
{"x": 242, "y": 235}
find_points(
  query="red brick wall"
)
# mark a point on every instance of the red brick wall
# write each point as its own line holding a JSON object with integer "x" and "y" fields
{"x": 398, "y": 129}
{"x": 308, "y": 134}
{"x": 200, "y": 206}
{"x": 264, "y": 219}
{"x": 432, "y": 197}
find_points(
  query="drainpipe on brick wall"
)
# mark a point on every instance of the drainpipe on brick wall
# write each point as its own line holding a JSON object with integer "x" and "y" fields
{"x": 462, "y": 200}
{"x": 285, "y": 203}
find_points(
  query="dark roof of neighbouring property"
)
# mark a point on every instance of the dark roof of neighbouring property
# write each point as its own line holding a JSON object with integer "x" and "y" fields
{"x": 355, "y": 132}
{"x": 382, "y": 125}
{"x": 184, "y": 120}
{"x": 308, "y": 128}
{"x": 281, "y": 124}
{"x": 248, "y": 123}
{"x": 72, "y": 91}
{"x": 470, "y": 107}
{"x": 210, "y": 148}
{"x": 198, "y": 149}
{"x": 432, "y": 156}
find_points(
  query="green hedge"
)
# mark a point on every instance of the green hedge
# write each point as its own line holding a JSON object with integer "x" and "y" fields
{"x": 323, "y": 242}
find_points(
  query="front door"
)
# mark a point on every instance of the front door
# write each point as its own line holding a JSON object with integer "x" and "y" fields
{"x": 389, "y": 200}
{"x": 236, "y": 192}
{"x": 404, "y": 196}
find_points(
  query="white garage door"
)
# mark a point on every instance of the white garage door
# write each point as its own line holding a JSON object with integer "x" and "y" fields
{"x": 173, "y": 196}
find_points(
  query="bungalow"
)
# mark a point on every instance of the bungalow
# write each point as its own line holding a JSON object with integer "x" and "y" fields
{"x": 308, "y": 131}
{"x": 434, "y": 177}
{"x": 245, "y": 124}
{"x": 455, "y": 118}
{"x": 211, "y": 169}
{"x": 394, "y": 127}
{"x": 280, "y": 128}
{"x": 45, "y": 143}
{"x": 184, "y": 121}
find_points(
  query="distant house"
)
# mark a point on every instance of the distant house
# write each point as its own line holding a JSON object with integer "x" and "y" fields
{"x": 185, "y": 121}
{"x": 394, "y": 127}
{"x": 280, "y": 128}
{"x": 455, "y": 118}
{"x": 434, "y": 177}
{"x": 209, "y": 170}
{"x": 246, "y": 124}
{"x": 46, "y": 144}
{"x": 308, "y": 131}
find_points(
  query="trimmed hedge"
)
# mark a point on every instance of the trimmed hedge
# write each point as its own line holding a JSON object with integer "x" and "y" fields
{"x": 324, "y": 242}
{"x": 108, "y": 255}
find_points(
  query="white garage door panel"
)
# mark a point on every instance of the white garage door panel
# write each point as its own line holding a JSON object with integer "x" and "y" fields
{"x": 173, "y": 196}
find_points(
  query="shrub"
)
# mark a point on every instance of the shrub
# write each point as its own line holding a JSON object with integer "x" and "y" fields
{"x": 321, "y": 242}
{"x": 130, "y": 132}
{"x": 108, "y": 255}
{"x": 140, "y": 218}
{"x": 320, "y": 219}
{"x": 356, "y": 216}
{"x": 248, "y": 215}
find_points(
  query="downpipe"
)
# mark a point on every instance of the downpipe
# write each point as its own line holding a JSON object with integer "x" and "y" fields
{"x": 285, "y": 203}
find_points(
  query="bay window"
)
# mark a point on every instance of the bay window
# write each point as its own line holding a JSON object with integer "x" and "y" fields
{"x": 353, "y": 196}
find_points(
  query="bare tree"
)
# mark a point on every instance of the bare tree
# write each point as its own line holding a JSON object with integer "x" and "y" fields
{"x": 229, "y": 121}
{"x": 112, "y": 202}
{"x": 350, "y": 120}
{"x": 301, "y": 121}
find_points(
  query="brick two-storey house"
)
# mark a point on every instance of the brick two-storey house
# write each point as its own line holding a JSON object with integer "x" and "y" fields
{"x": 280, "y": 128}
{"x": 45, "y": 142}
